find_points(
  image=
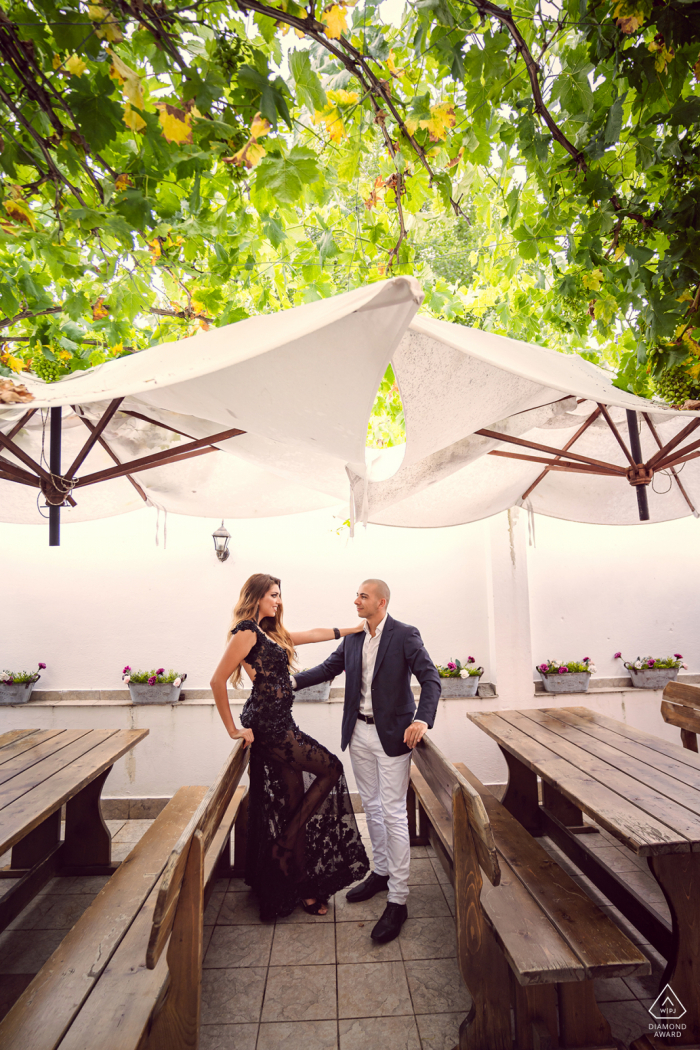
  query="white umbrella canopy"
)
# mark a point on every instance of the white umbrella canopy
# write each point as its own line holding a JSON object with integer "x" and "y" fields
{"x": 461, "y": 386}
{"x": 287, "y": 395}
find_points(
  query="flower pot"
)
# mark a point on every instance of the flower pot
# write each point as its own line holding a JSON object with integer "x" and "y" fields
{"x": 16, "y": 692}
{"x": 650, "y": 678}
{"x": 460, "y": 686}
{"x": 165, "y": 693}
{"x": 314, "y": 694}
{"x": 570, "y": 682}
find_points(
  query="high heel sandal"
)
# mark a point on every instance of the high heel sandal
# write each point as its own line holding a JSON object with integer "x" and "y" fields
{"x": 315, "y": 908}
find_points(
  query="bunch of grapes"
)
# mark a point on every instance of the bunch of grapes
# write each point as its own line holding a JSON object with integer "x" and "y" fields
{"x": 47, "y": 370}
{"x": 675, "y": 386}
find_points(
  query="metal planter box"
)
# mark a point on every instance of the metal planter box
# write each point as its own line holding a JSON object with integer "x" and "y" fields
{"x": 314, "y": 693}
{"x": 165, "y": 693}
{"x": 569, "y": 682}
{"x": 650, "y": 678}
{"x": 16, "y": 692}
{"x": 457, "y": 687}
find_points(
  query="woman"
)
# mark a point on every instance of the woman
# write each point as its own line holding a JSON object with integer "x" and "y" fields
{"x": 303, "y": 842}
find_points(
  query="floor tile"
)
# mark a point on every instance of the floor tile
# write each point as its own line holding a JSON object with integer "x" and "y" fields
{"x": 85, "y": 884}
{"x": 32, "y": 915}
{"x": 114, "y": 826}
{"x": 303, "y": 944}
{"x": 65, "y": 910}
{"x": 419, "y": 853}
{"x": 233, "y": 946}
{"x": 132, "y": 830}
{"x": 11, "y": 987}
{"x": 300, "y": 993}
{"x": 612, "y": 990}
{"x": 627, "y": 1020}
{"x": 440, "y": 873}
{"x": 309, "y": 1035}
{"x": 422, "y": 873}
{"x": 436, "y": 986}
{"x": 22, "y": 952}
{"x": 645, "y": 885}
{"x": 644, "y": 987}
{"x": 428, "y": 938}
{"x": 211, "y": 912}
{"x": 232, "y": 996}
{"x": 373, "y": 990}
{"x": 239, "y": 909}
{"x": 427, "y": 902}
{"x": 301, "y": 916}
{"x": 439, "y": 1031}
{"x": 120, "y": 851}
{"x": 617, "y": 859}
{"x": 379, "y": 1033}
{"x": 228, "y": 1036}
{"x": 355, "y": 945}
{"x": 363, "y": 911}
{"x": 59, "y": 884}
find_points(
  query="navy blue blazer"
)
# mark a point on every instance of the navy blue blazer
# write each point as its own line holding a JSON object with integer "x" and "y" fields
{"x": 401, "y": 653}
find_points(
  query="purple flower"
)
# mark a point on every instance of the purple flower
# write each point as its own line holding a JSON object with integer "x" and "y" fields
{"x": 650, "y": 663}
{"x": 617, "y": 656}
{"x": 678, "y": 656}
{"x": 161, "y": 670}
{"x": 586, "y": 660}
{"x": 42, "y": 667}
{"x": 542, "y": 668}
{"x": 152, "y": 680}
{"x": 452, "y": 666}
{"x": 126, "y": 669}
{"x": 471, "y": 660}
{"x": 563, "y": 670}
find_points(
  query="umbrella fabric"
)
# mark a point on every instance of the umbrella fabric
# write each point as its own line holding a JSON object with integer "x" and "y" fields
{"x": 455, "y": 381}
{"x": 300, "y": 383}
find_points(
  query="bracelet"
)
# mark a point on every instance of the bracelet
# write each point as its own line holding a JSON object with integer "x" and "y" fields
{"x": 336, "y": 632}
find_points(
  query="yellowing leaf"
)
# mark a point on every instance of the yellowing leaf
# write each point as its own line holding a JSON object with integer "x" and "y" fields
{"x": 175, "y": 124}
{"x": 64, "y": 355}
{"x": 109, "y": 27}
{"x": 334, "y": 17}
{"x": 346, "y": 98}
{"x": 99, "y": 310}
{"x": 19, "y": 212}
{"x": 57, "y": 62}
{"x": 333, "y": 121}
{"x": 300, "y": 34}
{"x": 96, "y": 13}
{"x": 118, "y": 349}
{"x": 132, "y": 119}
{"x": 10, "y": 361}
{"x": 696, "y": 69}
{"x": 123, "y": 181}
{"x": 75, "y": 66}
{"x": 442, "y": 117}
{"x": 259, "y": 127}
{"x": 131, "y": 82}
{"x": 627, "y": 17}
{"x": 593, "y": 280}
{"x": 250, "y": 155}
{"x": 392, "y": 66}
{"x": 155, "y": 248}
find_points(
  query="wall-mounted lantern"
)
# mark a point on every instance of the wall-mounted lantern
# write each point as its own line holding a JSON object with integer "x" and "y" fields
{"x": 221, "y": 537}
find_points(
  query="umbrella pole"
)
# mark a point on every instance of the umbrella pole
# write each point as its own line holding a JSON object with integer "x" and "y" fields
{"x": 636, "y": 447}
{"x": 55, "y": 469}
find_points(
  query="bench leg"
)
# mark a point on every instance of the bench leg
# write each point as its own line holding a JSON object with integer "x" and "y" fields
{"x": 580, "y": 1021}
{"x": 536, "y": 1016}
{"x": 521, "y": 798}
{"x": 176, "y": 1026}
{"x": 689, "y": 740}
{"x": 38, "y": 844}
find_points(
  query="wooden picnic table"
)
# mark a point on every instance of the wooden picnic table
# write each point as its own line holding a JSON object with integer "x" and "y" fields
{"x": 40, "y": 770}
{"x": 643, "y": 790}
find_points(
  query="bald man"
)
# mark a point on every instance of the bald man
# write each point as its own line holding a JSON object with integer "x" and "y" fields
{"x": 382, "y": 726}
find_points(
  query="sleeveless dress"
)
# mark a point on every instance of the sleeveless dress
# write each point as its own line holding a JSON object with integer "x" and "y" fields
{"x": 303, "y": 839}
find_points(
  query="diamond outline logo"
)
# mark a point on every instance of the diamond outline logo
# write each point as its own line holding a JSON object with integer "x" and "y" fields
{"x": 667, "y": 1006}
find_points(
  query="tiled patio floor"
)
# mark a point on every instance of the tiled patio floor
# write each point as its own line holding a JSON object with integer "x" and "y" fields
{"x": 320, "y": 983}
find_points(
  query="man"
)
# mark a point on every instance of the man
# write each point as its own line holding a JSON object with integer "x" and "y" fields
{"x": 382, "y": 726}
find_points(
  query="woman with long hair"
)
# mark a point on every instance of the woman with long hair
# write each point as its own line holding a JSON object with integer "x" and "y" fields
{"x": 303, "y": 842}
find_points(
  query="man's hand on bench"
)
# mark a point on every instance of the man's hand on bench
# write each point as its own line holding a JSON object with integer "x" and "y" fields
{"x": 414, "y": 734}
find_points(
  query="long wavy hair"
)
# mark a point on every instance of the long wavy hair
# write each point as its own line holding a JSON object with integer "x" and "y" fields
{"x": 246, "y": 608}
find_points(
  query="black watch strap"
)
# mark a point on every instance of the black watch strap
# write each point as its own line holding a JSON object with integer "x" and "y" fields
{"x": 336, "y": 632}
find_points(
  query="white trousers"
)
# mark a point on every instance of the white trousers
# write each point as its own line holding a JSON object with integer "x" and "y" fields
{"x": 383, "y": 782}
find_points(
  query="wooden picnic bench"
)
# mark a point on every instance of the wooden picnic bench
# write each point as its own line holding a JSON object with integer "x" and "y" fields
{"x": 530, "y": 942}
{"x": 128, "y": 975}
{"x": 680, "y": 707}
{"x": 642, "y": 790}
{"x": 40, "y": 771}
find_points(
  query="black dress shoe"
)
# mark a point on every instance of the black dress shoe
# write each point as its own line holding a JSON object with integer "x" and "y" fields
{"x": 389, "y": 926}
{"x": 373, "y": 884}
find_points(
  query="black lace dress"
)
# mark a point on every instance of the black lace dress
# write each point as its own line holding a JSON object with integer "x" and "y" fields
{"x": 303, "y": 840}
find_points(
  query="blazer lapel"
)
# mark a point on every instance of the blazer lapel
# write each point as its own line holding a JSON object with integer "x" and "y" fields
{"x": 383, "y": 644}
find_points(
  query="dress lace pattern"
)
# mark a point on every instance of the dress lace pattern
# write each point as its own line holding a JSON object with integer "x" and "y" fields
{"x": 303, "y": 839}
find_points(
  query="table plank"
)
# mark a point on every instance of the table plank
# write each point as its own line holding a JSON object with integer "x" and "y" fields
{"x": 624, "y": 758}
{"x": 675, "y": 752}
{"x": 45, "y": 749}
{"x": 27, "y": 739}
{"x": 25, "y": 813}
{"x": 36, "y": 775}
{"x": 674, "y": 766}
{"x": 633, "y": 788}
{"x": 14, "y": 734}
{"x": 640, "y": 832}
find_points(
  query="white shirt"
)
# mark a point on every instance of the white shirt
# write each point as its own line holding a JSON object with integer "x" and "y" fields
{"x": 370, "y": 648}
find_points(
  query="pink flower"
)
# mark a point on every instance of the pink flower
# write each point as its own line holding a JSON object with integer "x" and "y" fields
{"x": 650, "y": 663}
{"x": 586, "y": 660}
{"x": 152, "y": 680}
{"x": 542, "y": 668}
{"x": 563, "y": 670}
{"x": 177, "y": 682}
{"x": 684, "y": 666}
{"x": 161, "y": 670}
{"x": 678, "y": 656}
{"x": 452, "y": 666}
{"x": 126, "y": 679}
{"x": 126, "y": 669}
{"x": 617, "y": 656}
{"x": 42, "y": 667}
{"x": 471, "y": 660}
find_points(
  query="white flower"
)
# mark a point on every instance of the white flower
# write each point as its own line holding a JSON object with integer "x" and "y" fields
{"x": 126, "y": 679}
{"x": 638, "y": 664}
{"x": 464, "y": 673}
{"x": 178, "y": 681}
{"x": 684, "y": 666}
{"x": 591, "y": 668}
{"x": 5, "y": 676}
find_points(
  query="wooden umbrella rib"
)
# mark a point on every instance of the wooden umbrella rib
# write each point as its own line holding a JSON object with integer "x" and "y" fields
{"x": 673, "y": 443}
{"x": 552, "y": 451}
{"x": 553, "y": 464}
{"x": 22, "y": 456}
{"x": 21, "y": 475}
{"x": 674, "y": 456}
{"x": 608, "y": 419}
{"x": 674, "y": 475}
{"x": 94, "y": 437}
{"x": 682, "y": 458}
{"x": 160, "y": 458}
{"x": 111, "y": 454}
{"x": 19, "y": 479}
{"x": 20, "y": 423}
{"x": 581, "y": 430}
